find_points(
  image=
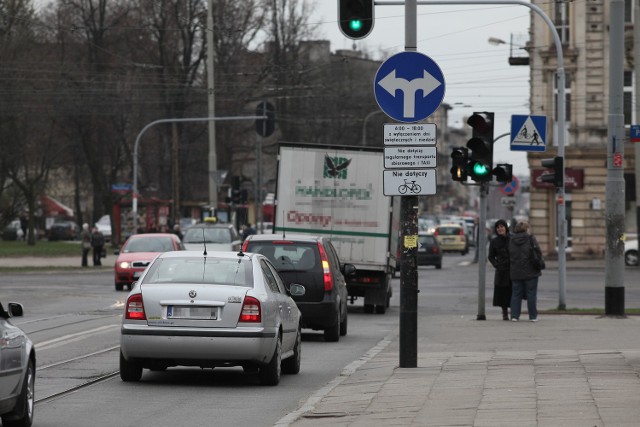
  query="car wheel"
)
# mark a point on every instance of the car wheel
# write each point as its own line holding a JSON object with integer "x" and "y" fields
{"x": 368, "y": 308}
{"x": 22, "y": 415}
{"x": 344, "y": 324}
{"x": 439, "y": 266}
{"x": 129, "y": 371}
{"x": 381, "y": 309}
{"x": 291, "y": 366}
{"x": 119, "y": 286}
{"x": 631, "y": 258}
{"x": 332, "y": 333}
{"x": 269, "y": 374}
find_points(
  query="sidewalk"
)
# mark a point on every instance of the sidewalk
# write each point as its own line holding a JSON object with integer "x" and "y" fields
{"x": 564, "y": 370}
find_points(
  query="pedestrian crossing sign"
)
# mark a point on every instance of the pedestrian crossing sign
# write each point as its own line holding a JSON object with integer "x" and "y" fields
{"x": 528, "y": 133}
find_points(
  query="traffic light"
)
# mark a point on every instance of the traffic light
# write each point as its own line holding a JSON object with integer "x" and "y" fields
{"x": 355, "y": 18}
{"x": 555, "y": 175}
{"x": 265, "y": 127}
{"x": 503, "y": 173}
{"x": 481, "y": 146}
{"x": 459, "y": 159}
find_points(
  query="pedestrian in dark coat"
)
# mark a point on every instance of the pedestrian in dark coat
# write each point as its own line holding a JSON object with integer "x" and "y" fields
{"x": 97, "y": 241}
{"x": 499, "y": 259}
{"x": 524, "y": 274}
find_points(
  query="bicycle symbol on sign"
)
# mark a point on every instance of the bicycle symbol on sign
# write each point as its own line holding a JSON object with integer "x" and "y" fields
{"x": 411, "y": 187}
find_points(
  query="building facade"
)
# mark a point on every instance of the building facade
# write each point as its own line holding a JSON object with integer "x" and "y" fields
{"x": 583, "y": 28}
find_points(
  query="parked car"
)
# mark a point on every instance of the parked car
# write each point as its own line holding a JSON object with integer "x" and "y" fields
{"x": 451, "y": 238}
{"x": 218, "y": 309}
{"x": 64, "y": 230}
{"x": 631, "y": 252}
{"x": 17, "y": 370}
{"x": 311, "y": 261}
{"x": 138, "y": 252}
{"x": 215, "y": 236}
{"x": 104, "y": 226}
{"x": 429, "y": 252}
{"x": 13, "y": 231}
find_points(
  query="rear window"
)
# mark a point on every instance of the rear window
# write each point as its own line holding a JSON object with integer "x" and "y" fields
{"x": 289, "y": 256}
{"x": 208, "y": 235}
{"x": 449, "y": 231}
{"x": 427, "y": 240}
{"x": 232, "y": 272}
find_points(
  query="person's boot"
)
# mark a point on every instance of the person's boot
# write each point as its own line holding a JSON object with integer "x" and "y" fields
{"x": 505, "y": 313}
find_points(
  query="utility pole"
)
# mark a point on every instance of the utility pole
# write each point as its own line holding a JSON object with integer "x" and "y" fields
{"x": 636, "y": 67}
{"x": 213, "y": 158}
{"x": 614, "y": 193}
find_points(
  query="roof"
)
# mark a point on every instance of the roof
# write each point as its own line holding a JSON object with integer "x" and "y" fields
{"x": 278, "y": 236}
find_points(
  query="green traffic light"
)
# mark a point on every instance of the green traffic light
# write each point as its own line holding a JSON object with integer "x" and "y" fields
{"x": 480, "y": 169}
{"x": 355, "y": 24}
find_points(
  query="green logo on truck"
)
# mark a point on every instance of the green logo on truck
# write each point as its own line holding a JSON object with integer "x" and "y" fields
{"x": 335, "y": 167}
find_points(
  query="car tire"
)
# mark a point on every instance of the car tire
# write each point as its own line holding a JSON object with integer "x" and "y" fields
{"x": 368, "y": 308}
{"x": 344, "y": 324}
{"x": 291, "y": 366}
{"x": 269, "y": 374}
{"x": 631, "y": 258}
{"x": 381, "y": 309}
{"x": 439, "y": 266}
{"x": 22, "y": 415}
{"x": 332, "y": 333}
{"x": 129, "y": 371}
{"x": 119, "y": 286}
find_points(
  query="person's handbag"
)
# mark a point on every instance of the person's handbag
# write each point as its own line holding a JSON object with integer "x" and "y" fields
{"x": 536, "y": 257}
{"x": 86, "y": 245}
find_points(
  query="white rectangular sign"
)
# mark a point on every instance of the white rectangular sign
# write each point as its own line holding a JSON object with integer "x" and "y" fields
{"x": 409, "y": 157}
{"x": 409, "y": 182}
{"x": 410, "y": 134}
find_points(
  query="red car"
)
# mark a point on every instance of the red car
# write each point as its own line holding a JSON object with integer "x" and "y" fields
{"x": 138, "y": 252}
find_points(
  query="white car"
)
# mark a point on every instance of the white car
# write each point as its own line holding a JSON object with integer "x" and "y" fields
{"x": 17, "y": 370}
{"x": 208, "y": 310}
{"x": 631, "y": 252}
{"x": 212, "y": 237}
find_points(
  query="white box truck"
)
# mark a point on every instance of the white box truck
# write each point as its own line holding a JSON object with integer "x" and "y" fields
{"x": 338, "y": 191}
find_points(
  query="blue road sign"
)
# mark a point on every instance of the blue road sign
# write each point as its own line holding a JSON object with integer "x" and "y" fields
{"x": 510, "y": 188}
{"x": 409, "y": 87}
{"x": 528, "y": 133}
{"x": 634, "y": 133}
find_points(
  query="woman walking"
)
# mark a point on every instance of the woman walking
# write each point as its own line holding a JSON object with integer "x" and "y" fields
{"x": 499, "y": 259}
{"x": 524, "y": 254}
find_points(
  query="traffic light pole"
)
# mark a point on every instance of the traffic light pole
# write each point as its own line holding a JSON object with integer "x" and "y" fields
{"x": 482, "y": 250}
{"x": 409, "y": 236}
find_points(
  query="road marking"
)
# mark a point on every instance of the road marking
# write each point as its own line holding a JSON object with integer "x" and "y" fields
{"x": 57, "y": 342}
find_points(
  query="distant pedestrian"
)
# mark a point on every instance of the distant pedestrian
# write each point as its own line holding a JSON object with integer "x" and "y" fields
{"x": 176, "y": 231}
{"x": 499, "y": 259}
{"x": 248, "y": 231}
{"x": 85, "y": 242}
{"x": 523, "y": 251}
{"x": 97, "y": 241}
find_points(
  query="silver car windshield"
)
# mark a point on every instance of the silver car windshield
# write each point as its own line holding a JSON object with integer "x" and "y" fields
{"x": 215, "y": 271}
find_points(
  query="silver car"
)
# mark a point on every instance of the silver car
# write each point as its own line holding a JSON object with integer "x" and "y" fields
{"x": 191, "y": 308}
{"x": 17, "y": 370}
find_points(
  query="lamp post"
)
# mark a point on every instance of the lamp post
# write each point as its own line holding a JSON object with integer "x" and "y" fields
{"x": 364, "y": 125}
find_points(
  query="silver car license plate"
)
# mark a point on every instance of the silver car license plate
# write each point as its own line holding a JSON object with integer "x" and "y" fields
{"x": 188, "y": 312}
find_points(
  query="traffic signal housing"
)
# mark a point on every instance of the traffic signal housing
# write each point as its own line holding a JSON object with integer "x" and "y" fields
{"x": 503, "y": 172}
{"x": 265, "y": 127}
{"x": 555, "y": 172}
{"x": 481, "y": 146}
{"x": 459, "y": 160}
{"x": 355, "y": 18}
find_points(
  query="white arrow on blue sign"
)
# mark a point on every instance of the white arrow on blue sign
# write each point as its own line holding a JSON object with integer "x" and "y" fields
{"x": 409, "y": 87}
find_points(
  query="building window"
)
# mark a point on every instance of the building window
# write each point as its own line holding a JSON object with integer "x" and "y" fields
{"x": 561, "y": 20}
{"x": 628, "y": 11}
{"x": 628, "y": 97}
